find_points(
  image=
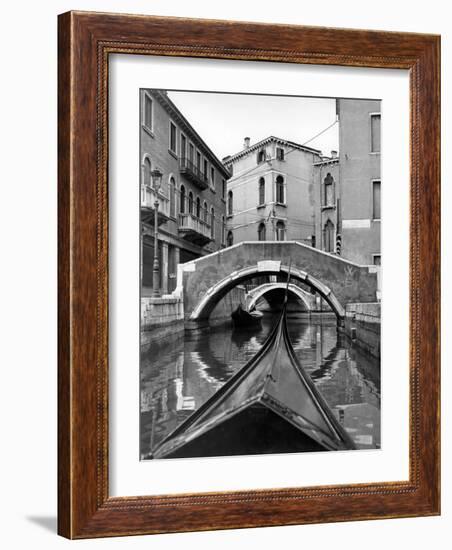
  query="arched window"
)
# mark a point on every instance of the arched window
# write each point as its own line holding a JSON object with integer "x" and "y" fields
{"x": 190, "y": 203}
{"x": 147, "y": 180}
{"x": 230, "y": 238}
{"x": 230, "y": 203}
{"x": 328, "y": 190}
{"x": 261, "y": 232}
{"x": 261, "y": 191}
{"x": 205, "y": 212}
{"x": 328, "y": 236}
{"x": 223, "y": 230}
{"x": 172, "y": 197}
{"x": 212, "y": 223}
{"x": 182, "y": 205}
{"x": 280, "y": 194}
{"x": 198, "y": 207}
{"x": 280, "y": 231}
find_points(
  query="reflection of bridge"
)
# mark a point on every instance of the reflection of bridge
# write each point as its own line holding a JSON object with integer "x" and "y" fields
{"x": 205, "y": 281}
{"x": 268, "y": 290}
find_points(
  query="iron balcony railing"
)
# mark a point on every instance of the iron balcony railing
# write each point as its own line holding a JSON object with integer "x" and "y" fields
{"x": 193, "y": 173}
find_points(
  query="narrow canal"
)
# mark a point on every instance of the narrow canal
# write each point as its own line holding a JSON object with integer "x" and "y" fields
{"x": 179, "y": 375}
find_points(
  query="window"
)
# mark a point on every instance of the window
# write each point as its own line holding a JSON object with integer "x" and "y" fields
{"x": 172, "y": 197}
{"x": 261, "y": 156}
{"x": 147, "y": 179}
{"x": 280, "y": 231}
{"x": 328, "y": 190}
{"x": 223, "y": 229}
{"x": 191, "y": 152}
{"x": 328, "y": 236}
{"x": 182, "y": 200}
{"x": 198, "y": 161}
{"x": 261, "y": 191}
{"x": 172, "y": 138}
{"x": 230, "y": 239}
{"x": 261, "y": 232}
{"x": 377, "y": 259}
{"x": 198, "y": 207}
{"x": 183, "y": 146}
{"x": 172, "y": 267}
{"x": 212, "y": 223}
{"x": 205, "y": 212}
{"x": 190, "y": 203}
{"x": 212, "y": 176}
{"x": 230, "y": 203}
{"x": 280, "y": 195}
{"x": 375, "y": 124}
{"x": 223, "y": 188}
{"x": 280, "y": 153}
{"x": 376, "y": 200}
{"x": 206, "y": 175}
{"x": 148, "y": 111}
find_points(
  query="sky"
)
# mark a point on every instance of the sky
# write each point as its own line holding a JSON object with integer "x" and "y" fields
{"x": 224, "y": 120}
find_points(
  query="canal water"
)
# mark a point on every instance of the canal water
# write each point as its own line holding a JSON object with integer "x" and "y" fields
{"x": 179, "y": 375}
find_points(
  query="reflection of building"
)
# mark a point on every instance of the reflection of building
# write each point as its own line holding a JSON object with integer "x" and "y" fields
{"x": 193, "y": 193}
{"x": 271, "y": 193}
{"x": 360, "y": 179}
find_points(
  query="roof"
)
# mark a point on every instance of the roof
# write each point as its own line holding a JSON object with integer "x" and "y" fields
{"x": 327, "y": 160}
{"x": 269, "y": 139}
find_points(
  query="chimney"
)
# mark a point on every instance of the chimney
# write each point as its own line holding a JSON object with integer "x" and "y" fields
{"x": 246, "y": 143}
{"x": 333, "y": 154}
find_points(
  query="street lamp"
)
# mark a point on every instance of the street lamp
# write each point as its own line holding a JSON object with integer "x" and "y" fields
{"x": 157, "y": 182}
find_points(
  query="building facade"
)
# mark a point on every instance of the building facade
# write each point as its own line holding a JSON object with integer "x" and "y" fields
{"x": 271, "y": 195}
{"x": 360, "y": 180}
{"x": 192, "y": 196}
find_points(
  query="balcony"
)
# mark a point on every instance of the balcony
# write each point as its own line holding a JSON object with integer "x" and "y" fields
{"x": 193, "y": 173}
{"x": 194, "y": 230}
{"x": 148, "y": 197}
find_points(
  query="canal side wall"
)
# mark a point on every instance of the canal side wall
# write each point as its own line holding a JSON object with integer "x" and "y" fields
{"x": 363, "y": 326}
{"x": 161, "y": 317}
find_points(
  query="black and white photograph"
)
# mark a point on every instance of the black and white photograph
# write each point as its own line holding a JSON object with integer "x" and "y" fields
{"x": 260, "y": 274}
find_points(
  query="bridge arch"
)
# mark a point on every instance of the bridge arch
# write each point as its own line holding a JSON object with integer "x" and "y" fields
{"x": 262, "y": 290}
{"x": 211, "y": 298}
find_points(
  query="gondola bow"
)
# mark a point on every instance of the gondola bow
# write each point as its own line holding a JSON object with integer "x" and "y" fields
{"x": 270, "y": 405}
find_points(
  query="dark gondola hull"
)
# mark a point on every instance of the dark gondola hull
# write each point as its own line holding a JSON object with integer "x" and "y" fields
{"x": 269, "y": 406}
{"x": 255, "y": 430}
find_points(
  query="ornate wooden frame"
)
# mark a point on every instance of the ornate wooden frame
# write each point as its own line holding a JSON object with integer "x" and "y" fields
{"x": 85, "y": 42}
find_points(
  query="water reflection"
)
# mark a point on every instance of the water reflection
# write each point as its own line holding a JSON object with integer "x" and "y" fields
{"x": 177, "y": 377}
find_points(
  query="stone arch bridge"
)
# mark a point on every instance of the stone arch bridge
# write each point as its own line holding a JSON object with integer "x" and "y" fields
{"x": 307, "y": 299}
{"x": 205, "y": 281}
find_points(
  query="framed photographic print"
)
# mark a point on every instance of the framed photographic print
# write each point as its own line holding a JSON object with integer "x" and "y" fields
{"x": 248, "y": 275}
